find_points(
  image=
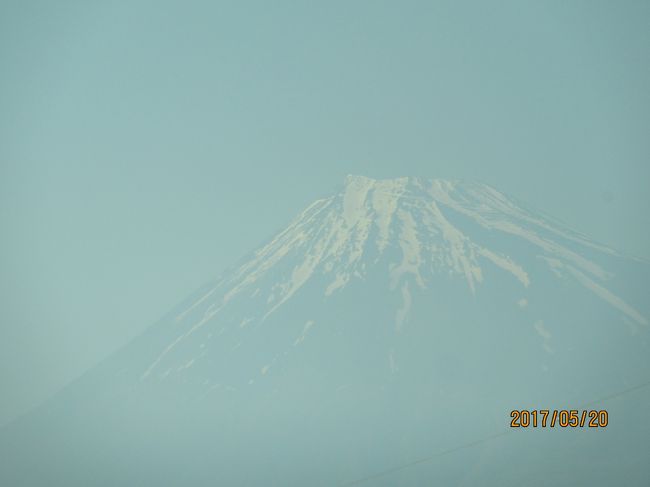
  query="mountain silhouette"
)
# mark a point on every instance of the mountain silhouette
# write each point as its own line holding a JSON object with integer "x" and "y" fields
{"x": 392, "y": 319}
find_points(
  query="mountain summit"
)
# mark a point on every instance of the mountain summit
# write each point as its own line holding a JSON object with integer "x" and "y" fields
{"x": 391, "y": 319}
{"x": 405, "y": 235}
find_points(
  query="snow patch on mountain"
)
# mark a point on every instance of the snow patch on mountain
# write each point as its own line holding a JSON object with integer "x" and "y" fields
{"x": 303, "y": 335}
{"x": 411, "y": 231}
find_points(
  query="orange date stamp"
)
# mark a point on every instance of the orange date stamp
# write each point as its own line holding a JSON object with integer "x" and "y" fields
{"x": 563, "y": 418}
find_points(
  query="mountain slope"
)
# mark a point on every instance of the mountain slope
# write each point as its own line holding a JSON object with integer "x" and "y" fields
{"x": 393, "y": 318}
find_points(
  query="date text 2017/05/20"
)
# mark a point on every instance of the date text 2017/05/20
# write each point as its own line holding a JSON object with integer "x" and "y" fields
{"x": 564, "y": 418}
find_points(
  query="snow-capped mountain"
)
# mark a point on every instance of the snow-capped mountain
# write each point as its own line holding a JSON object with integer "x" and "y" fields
{"x": 389, "y": 319}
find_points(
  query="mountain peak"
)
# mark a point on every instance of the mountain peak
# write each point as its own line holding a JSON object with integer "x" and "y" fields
{"x": 406, "y": 234}
{"x": 357, "y": 180}
{"x": 399, "y": 300}
{"x": 419, "y": 186}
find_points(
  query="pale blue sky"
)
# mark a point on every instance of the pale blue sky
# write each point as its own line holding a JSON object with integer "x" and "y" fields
{"x": 146, "y": 146}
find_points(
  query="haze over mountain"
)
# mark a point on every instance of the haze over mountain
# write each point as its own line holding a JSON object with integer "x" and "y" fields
{"x": 392, "y": 319}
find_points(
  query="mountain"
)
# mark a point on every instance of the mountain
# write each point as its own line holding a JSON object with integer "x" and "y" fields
{"x": 391, "y": 320}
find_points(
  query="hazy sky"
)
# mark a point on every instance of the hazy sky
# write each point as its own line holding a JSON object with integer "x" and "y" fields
{"x": 146, "y": 146}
